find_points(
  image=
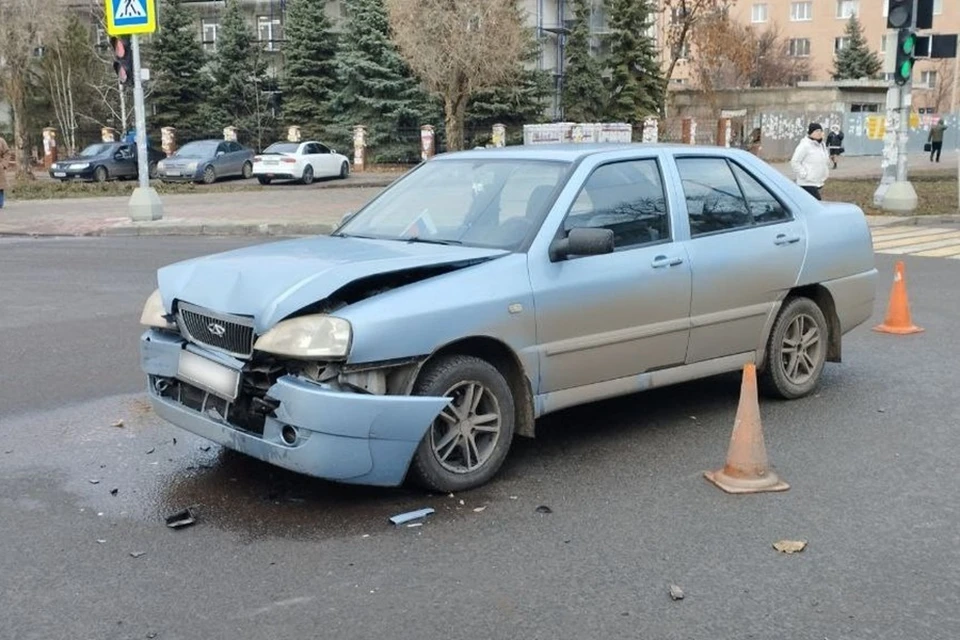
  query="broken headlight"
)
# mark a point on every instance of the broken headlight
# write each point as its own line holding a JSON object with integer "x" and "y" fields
{"x": 154, "y": 315}
{"x": 308, "y": 338}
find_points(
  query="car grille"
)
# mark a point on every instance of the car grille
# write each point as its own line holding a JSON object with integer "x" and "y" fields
{"x": 231, "y": 334}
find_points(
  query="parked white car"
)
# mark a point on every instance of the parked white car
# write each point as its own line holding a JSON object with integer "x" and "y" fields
{"x": 303, "y": 161}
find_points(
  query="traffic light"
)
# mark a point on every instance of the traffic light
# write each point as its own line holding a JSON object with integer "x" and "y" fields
{"x": 906, "y": 51}
{"x": 900, "y": 13}
{"x": 122, "y": 59}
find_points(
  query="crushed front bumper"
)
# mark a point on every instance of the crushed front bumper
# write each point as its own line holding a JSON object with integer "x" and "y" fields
{"x": 341, "y": 436}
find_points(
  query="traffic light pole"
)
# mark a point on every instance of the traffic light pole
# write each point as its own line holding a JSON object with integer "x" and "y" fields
{"x": 144, "y": 203}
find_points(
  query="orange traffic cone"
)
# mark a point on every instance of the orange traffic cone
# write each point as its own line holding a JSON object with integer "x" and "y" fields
{"x": 746, "y": 470}
{"x": 898, "y": 319}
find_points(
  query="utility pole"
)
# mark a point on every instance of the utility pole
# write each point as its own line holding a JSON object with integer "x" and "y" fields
{"x": 123, "y": 106}
{"x": 956, "y": 125}
{"x": 901, "y": 197}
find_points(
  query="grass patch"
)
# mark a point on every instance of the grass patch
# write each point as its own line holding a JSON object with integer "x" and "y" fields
{"x": 52, "y": 190}
{"x": 936, "y": 193}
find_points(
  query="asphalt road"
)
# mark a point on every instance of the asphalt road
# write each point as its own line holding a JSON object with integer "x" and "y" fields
{"x": 872, "y": 461}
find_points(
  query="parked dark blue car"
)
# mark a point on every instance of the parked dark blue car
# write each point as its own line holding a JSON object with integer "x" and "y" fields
{"x": 105, "y": 161}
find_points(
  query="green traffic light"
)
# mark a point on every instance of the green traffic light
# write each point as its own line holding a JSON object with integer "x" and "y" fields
{"x": 905, "y": 69}
{"x": 909, "y": 44}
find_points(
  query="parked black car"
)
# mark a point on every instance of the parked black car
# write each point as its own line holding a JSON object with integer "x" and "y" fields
{"x": 105, "y": 161}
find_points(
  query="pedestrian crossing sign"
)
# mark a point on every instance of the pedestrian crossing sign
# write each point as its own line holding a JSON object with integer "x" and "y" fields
{"x": 127, "y": 17}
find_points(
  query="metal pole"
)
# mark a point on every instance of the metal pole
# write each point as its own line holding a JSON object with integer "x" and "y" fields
{"x": 904, "y": 132}
{"x": 138, "y": 107}
{"x": 123, "y": 107}
{"x": 956, "y": 122}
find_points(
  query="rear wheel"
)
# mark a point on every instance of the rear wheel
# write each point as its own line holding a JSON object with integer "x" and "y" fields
{"x": 247, "y": 170}
{"x": 468, "y": 442}
{"x": 263, "y": 180}
{"x": 307, "y": 175}
{"x": 152, "y": 170}
{"x": 796, "y": 350}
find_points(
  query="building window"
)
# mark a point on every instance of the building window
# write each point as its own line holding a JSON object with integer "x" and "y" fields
{"x": 841, "y": 43}
{"x": 864, "y": 108}
{"x": 801, "y": 11}
{"x": 268, "y": 29}
{"x": 846, "y": 9}
{"x": 209, "y": 29}
{"x": 759, "y": 12}
{"x": 883, "y": 46}
{"x": 937, "y": 7}
{"x": 799, "y": 47}
{"x": 928, "y": 79}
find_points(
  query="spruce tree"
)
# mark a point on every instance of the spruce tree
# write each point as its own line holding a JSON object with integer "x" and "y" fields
{"x": 856, "y": 60}
{"x": 377, "y": 89}
{"x": 175, "y": 58}
{"x": 309, "y": 78}
{"x": 636, "y": 85}
{"x": 583, "y": 96}
{"x": 239, "y": 80}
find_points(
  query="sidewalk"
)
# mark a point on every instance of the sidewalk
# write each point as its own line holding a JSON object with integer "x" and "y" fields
{"x": 289, "y": 210}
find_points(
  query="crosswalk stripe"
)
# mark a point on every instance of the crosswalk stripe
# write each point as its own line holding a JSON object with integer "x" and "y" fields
{"x": 945, "y": 252}
{"x": 912, "y": 240}
{"x": 949, "y": 243}
{"x": 908, "y": 234}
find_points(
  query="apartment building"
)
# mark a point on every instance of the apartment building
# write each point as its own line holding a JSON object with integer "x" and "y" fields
{"x": 814, "y": 29}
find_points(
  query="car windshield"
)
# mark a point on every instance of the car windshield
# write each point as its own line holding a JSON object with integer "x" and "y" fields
{"x": 483, "y": 203}
{"x": 95, "y": 150}
{"x": 282, "y": 147}
{"x": 197, "y": 149}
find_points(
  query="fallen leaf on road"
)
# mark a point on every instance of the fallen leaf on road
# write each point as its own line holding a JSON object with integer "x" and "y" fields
{"x": 151, "y": 450}
{"x": 479, "y": 509}
{"x": 676, "y": 592}
{"x": 790, "y": 546}
{"x": 118, "y": 424}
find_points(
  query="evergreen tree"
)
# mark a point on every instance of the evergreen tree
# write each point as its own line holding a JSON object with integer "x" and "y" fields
{"x": 377, "y": 89}
{"x": 636, "y": 86}
{"x": 239, "y": 80}
{"x": 513, "y": 105}
{"x": 583, "y": 96}
{"x": 176, "y": 59}
{"x": 309, "y": 70}
{"x": 856, "y": 60}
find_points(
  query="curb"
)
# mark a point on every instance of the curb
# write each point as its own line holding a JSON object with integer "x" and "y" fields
{"x": 217, "y": 229}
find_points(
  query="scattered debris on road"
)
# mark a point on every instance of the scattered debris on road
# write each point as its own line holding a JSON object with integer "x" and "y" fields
{"x": 101, "y": 541}
{"x": 205, "y": 448}
{"x": 93, "y": 481}
{"x": 151, "y": 450}
{"x": 403, "y": 518}
{"x": 676, "y": 592}
{"x": 790, "y": 546}
{"x": 479, "y": 509}
{"x": 137, "y": 554}
{"x": 414, "y": 524}
{"x": 544, "y": 509}
{"x": 182, "y": 519}
{"x": 114, "y": 491}
{"x": 118, "y": 424}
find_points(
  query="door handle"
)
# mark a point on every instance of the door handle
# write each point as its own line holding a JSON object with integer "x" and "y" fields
{"x": 783, "y": 239}
{"x": 664, "y": 261}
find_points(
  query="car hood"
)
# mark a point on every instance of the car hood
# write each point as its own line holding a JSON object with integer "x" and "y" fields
{"x": 272, "y": 281}
{"x": 79, "y": 159}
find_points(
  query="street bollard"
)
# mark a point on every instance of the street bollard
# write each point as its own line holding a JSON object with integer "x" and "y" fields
{"x": 230, "y": 134}
{"x": 49, "y": 147}
{"x": 168, "y": 140}
{"x": 108, "y": 134}
{"x": 293, "y": 133}
{"x": 359, "y": 147}
{"x": 427, "y": 146}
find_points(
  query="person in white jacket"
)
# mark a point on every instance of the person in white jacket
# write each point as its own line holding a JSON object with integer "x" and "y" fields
{"x": 811, "y": 161}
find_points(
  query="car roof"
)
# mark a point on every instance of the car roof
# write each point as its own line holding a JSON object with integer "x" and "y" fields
{"x": 575, "y": 151}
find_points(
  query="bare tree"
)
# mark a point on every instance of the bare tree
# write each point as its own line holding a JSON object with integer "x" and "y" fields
{"x": 459, "y": 48}
{"x": 940, "y": 94}
{"x": 682, "y": 18}
{"x": 25, "y": 25}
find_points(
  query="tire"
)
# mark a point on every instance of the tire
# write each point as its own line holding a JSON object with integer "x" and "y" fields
{"x": 307, "y": 175}
{"x": 797, "y": 315}
{"x": 247, "y": 170}
{"x": 152, "y": 170}
{"x": 263, "y": 180}
{"x": 446, "y": 470}
{"x": 100, "y": 174}
{"x": 209, "y": 175}
{"x": 344, "y": 170}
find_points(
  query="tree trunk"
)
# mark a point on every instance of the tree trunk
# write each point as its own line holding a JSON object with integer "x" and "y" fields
{"x": 21, "y": 154}
{"x": 454, "y": 113}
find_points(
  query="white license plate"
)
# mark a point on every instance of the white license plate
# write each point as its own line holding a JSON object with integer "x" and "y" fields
{"x": 60, "y": 174}
{"x": 209, "y": 375}
{"x": 173, "y": 172}
{"x": 271, "y": 162}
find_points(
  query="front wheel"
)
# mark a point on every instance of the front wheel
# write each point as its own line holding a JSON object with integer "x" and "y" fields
{"x": 468, "y": 442}
{"x": 152, "y": 170}
{"x": 247, "y": 170}
{"x": 796, "y": 350}
{"x": 100, "y": 174}
{"x": 209, "y": 175}
{"x": 344, "y": 171}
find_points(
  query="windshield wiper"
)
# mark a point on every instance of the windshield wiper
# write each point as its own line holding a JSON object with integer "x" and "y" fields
{"x": 428, "y": 241}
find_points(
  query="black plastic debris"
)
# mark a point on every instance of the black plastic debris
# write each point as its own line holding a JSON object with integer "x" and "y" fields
{"x": 182, "y": 519}
{"x": 544, "y": 509}
{"x": 137, "y": 554}
{"x": 205, "y": 448}
{"x": 151, "y": 450}
{"x": 114, "y": 491}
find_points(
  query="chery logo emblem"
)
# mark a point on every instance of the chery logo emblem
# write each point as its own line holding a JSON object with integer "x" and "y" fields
{"x": 216, "y": 329}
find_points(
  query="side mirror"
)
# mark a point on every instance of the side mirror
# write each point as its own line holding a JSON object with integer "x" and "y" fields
{"x": 582, "y": 242}
{"x": 221, "y": 153}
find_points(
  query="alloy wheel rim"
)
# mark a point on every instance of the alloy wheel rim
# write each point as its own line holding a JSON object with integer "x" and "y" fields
{"x": 465, "y": 434}
{"x": 801, "y": 349}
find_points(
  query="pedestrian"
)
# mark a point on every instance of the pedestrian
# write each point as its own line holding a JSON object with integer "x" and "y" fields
{"x": 835, "y": 143}
{"x": 6, "y": 157}
{"x": 810, "y": 161}
{"x": 935, "y": 138}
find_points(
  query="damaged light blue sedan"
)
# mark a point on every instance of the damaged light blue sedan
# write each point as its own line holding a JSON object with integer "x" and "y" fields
{"x": 487, "y": 288}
